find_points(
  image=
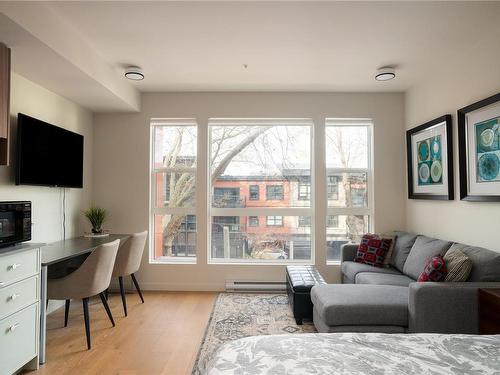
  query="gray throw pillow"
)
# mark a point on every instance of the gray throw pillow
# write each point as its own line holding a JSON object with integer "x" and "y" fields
{"x": 458, "y": 266}
{"x": 402, "y": 246}
{"x": 485, "y": 263}
{"x": 423, "y": 249}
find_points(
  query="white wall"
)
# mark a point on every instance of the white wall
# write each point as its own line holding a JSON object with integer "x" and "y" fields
{"x": 34, "y": 100}
{"x": 474, "y": 75}
{"x": 121, "y": 169}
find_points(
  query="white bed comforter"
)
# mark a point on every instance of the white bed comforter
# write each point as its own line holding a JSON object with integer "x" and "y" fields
{"x": 358, "y": 353}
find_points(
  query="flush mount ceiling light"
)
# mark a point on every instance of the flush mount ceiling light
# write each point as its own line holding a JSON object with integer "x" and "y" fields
{"x": 385, "y": 74}
{"x": 134, "y": 73}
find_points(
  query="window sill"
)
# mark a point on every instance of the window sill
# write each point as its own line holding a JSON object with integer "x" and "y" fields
{"x": 173, "y": 261}
{"x": 233, "y": 262}
{"x": 333, "y": 262}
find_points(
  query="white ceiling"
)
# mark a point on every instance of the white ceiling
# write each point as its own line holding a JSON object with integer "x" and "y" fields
{"x": 288, "y": 46}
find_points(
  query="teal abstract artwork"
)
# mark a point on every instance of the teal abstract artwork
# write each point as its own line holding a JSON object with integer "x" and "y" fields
{"x": 430, "y": 167}
{"x": 488, "y": 150}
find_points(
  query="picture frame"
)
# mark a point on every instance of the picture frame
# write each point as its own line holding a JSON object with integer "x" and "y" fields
{"x": 479, "y": 150}
{"x": 429, "y": 153}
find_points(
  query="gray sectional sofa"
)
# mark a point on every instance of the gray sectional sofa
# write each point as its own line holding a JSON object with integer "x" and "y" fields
{"x": 391, "y": 300}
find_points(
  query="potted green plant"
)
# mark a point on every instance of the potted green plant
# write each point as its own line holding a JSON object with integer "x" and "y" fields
{"x": 96, "y": 216}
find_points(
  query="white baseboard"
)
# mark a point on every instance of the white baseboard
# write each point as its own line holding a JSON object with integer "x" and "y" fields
{"x": 54, "y": 305}
{"x": 181, "y": 287}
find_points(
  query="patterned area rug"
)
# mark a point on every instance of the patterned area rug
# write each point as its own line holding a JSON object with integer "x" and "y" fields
{"x": 238, "y": 315}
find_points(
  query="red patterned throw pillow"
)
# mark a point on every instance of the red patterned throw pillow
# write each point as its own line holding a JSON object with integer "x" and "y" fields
{"x": 434, "y": 270}
{"x": 372, "y": 250}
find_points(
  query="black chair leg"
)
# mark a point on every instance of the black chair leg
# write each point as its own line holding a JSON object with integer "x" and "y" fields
{"x": 122, "y": 291}
{"x": 87, "y": 321}
{"x": 106, "y": 293}
{"x": 66, "y": 312}
{"x": 106, "y": 307}
{"x": 137, "y": 287}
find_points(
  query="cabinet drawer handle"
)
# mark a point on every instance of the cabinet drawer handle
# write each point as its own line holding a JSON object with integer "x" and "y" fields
{"x": 14, "y": 266}
{"x": 13, "y": 327}
{"x": 14, "y": 296}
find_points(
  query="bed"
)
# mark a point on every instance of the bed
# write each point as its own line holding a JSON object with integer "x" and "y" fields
{"x": 358, "y": 353}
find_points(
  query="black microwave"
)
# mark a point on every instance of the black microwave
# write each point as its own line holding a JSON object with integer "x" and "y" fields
{"x": 15, "y": 223}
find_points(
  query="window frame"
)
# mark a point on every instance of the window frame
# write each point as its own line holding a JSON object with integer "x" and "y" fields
{"x": 303, "y": 222}
{"x": 250, "y": 193}
{"x": 274, "y": 187}
{"x": 336, "y": 222}
{"x": 259, "y": 211}
{"x": 204, "y": 186}
{"x": 331, "y": 184}
{"x": 307, "y": 186}
{"x": 275, "y": 220}
{"x": 352, "y": 211}
{"x": 253, "y": 221}
{"x": 184, "y": 211}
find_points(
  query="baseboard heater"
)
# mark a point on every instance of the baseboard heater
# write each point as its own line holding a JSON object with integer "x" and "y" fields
{"x": 255, "y": 286}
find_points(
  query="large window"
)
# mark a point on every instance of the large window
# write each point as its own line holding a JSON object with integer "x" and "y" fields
{"x": 254, "y": 157}
{"x": 349, "y": 182}
{"x": 173, "y": 203}
{"x": 260, "y": 186}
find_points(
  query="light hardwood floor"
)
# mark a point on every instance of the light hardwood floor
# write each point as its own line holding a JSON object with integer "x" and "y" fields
{"x": 161, "y": 336}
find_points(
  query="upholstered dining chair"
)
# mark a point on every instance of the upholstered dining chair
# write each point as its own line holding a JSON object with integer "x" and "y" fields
{"x": 128, "y": 262}
{"x": 90, "y": 279}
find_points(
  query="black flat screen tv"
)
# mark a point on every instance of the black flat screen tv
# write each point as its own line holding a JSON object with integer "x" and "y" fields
{"x": 48, "y": 155}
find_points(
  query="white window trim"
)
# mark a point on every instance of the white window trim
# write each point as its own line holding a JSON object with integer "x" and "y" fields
{"x": 260, "y": 122}
{"x": 366, "y": 211}
{"x": 264, "y": 211}
{"x": 153, "y": 210}
{"x": 203, "y": 187}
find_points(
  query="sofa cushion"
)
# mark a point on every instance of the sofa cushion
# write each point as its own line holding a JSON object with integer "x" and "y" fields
{"x": 434, "y": 270}
{"x": 485, "y": 263}
{"x": 322, "y": 327}
{"x": 458, "y": 265}
{"x": 351, "y": 269}
{"x": 344, "y": 304}
{"x": 383, "y": 279}
{"x": 347, "y": 280}
{"x": 423, "y": 249}
{"x": 372, "y": 250}
{"x": 402, "y": 246}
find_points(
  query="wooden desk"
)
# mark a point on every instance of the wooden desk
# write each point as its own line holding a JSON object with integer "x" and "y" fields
{"x": 489, "y": 311}
{"x": 60, "y": 251}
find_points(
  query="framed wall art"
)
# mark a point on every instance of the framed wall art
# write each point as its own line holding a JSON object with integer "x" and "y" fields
{"x": 479, "y": 150}
{"x": 430, "y": 160}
